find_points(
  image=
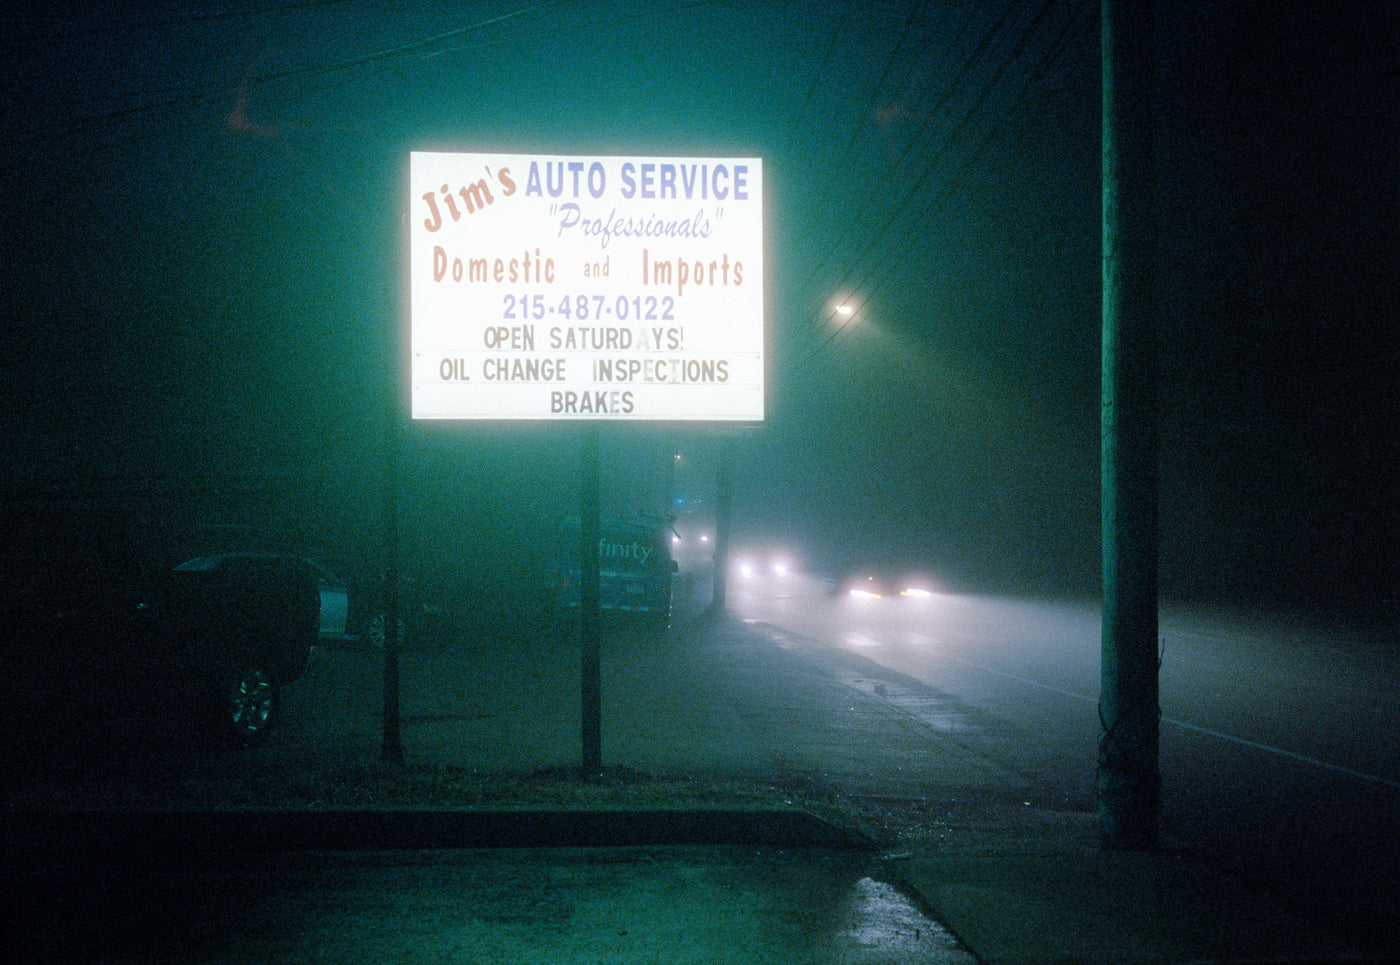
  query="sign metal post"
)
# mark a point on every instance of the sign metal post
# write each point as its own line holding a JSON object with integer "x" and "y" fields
{"x": 585, "y": 289}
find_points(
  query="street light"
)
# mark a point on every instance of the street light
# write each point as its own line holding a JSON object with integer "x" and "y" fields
{"x": 843, "y": 306}
{"x": 845, "y": 310}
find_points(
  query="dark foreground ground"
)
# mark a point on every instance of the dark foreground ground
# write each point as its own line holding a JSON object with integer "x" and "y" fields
{"x": 749, "y": 796}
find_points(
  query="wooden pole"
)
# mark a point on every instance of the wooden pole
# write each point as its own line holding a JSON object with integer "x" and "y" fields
{"x": 1129, "y": 712}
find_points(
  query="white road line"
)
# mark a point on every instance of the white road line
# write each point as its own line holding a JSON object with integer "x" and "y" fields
{"x": 1185, "y": 725}
{"x": 1303, "y": 758}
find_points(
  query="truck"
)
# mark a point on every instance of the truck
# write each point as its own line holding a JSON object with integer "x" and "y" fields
{"x": 636, "y": 572}
{"x": 105, "y": 629}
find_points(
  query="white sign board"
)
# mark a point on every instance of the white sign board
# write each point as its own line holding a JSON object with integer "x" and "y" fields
{"x": 613, "y": 288}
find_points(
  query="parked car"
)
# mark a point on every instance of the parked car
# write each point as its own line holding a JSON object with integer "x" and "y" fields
{"x": 352, "y": 612}
{"x": 103, "y": 630}
{"x": 333, "y": 593}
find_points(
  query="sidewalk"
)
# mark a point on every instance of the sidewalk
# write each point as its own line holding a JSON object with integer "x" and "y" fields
{"x": 1017, "y": 888}
{"x": 1020, "y": 884}
{"x": 1034, "y": 887}
{"x": 1013, "y": 883}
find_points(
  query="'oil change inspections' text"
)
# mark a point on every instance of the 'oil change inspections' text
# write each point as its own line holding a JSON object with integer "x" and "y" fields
{"x": 548, "y": 287}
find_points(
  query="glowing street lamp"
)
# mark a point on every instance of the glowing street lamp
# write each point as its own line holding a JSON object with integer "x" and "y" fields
{"x": 842, "y": 308}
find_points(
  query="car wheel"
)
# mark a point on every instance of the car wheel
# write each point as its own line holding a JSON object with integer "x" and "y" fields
{"x": 375, "y": 632}
{"x": 250, "y": 704}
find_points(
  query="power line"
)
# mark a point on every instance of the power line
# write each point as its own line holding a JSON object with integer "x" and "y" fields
{"x": 883, "y": 186}
{"x": 144, "y": 25}
{"x": 837, "y": 29}
{"x": 23, "y": 146}
{"x": 225, "y": 90}
{"x": 887, "y": 263}
{"x": 972, "y": 158}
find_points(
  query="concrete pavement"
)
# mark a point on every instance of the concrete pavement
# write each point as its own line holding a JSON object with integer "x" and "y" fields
{"x": 679, "y": 885}
{"x": 1010, "y": 882}
{"x": 1019, "y": 886}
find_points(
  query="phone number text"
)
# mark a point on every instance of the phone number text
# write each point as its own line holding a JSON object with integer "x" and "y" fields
{"x": 641, "y": 308}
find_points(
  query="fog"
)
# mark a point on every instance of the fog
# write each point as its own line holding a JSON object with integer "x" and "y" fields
{"x": 205, "y": 294}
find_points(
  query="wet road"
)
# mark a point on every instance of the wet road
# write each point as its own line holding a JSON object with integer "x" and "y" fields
{"x": 1278, "y": 734}
{"x": 704, "y": 702}
{"x": 967, "y": 700}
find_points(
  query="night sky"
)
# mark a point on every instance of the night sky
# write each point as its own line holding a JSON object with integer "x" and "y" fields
{"x": 203, "y": 274}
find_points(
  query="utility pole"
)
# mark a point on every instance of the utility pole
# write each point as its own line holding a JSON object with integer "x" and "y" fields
{"x": 1128, "y": 778}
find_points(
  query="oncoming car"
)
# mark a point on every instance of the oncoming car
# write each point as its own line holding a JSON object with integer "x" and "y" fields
{"x": 868, "y": 584}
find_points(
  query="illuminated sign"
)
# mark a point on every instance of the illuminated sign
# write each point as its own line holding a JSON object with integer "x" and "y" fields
{"x": 616, "y": 288}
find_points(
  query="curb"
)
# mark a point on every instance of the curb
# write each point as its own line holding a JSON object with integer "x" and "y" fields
{"x": 39, "y": 833}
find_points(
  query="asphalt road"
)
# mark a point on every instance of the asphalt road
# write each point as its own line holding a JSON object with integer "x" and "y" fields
{"x": 700, "y": 701}
{"x": 1279, "y": 734}
{"x": 704, "y": 702}
{"x": 1276, "y": 751}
